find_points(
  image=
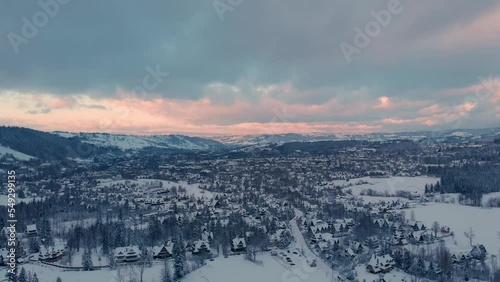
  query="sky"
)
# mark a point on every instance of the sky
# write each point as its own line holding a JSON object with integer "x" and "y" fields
{"x": 238, "y": 67}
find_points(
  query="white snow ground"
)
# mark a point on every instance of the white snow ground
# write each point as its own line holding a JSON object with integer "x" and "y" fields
{"x": 484, "y": 222}
{"x": 390, "y": 185}
{"x": 18, "y": 155}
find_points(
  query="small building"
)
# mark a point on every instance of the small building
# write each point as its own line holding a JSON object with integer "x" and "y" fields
{"x": 51, "y": 254}
{"x": 201, "y": 247}
{"x": 238, "y": 245}
{"x": 31, "y": 230}
{"x": 380, "y": 264}
{"x": 163, "y": 251}
{"x": 127, "y": 254}
{"x": 478, "y": 252}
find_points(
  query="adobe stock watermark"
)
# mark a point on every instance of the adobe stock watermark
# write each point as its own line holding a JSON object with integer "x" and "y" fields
{"x": 40, "y": 19}
{"x": 224, "y": 6}
{"x": 150, "y": 81}
{"x": 372, "y": 29}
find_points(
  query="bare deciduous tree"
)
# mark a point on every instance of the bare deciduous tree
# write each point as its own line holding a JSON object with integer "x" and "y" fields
{"x": 470, "y": 235}
{"x": 435, "y": 228}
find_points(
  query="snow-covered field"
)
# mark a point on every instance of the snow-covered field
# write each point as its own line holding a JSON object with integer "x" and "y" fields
{"x": 484, "y": 222}
{"x": 5, "y": 198}
{"x": 393, "y": 276}
{"x": 18, "y": 155}
{"x": 273, "y": 268}
{"x": 47, "y": 273}
{"x": 391, "y": 185}
{"x": 136, "y": 142}
{"x": 191, "y": 189}
{"x": 376, "y": 199}
{"x": 235, "y": 268}
{"x": 487, "y": 197}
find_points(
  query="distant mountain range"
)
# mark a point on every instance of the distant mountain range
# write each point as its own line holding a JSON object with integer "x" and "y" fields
{"x": 24, "y": 143}
{"x": 135, "y": 142}
{"x": 440, "y": 136}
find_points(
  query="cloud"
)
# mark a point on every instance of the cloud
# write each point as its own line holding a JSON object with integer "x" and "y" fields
{"x": 264, "y": 57}
{"x": 483, "y": 31}
{"x": 41, "y": 111}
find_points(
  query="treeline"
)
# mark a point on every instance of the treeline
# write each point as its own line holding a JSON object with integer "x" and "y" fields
{"x": 472, "y": 181}
{"x": 45, "y": 146}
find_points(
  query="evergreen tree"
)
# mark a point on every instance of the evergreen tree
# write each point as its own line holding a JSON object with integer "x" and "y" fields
{"x": 46, "y": 233}
{"x": 165, "y": 277}
{"x": 431, "y": 271}
{"x": 407, "y": 261}
{"x": 398, "y": 258}
{"x": 34, "y": 247}
{"x": 179, "y": 254}
{"x": 58, "y": 279}
{"x": 111, "y": 260}
{"x": 22, "y": 276}
{"x": 87, "y": 260}
{"x": 12, "y": 276}
{"x": 35, "y": 278}
{"x": 418, "y": 267}
{"x": 285, "y": 239}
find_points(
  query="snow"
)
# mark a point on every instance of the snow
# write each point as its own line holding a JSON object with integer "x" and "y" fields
{"x": 415, "y": 185}
{"x": 376, "y": 200}
{"x": 461, "y": 134}
{"x": 273, "y": 268}
{"x": 450, "y": 198}
{"x": 65, "y": 134}
{"x": 18, "y": 155}
{"x": 460, "y": 218}
{"x": 48, "y": 273}
{"x": 487, "y": 197}
{"x": 236, "y": 268}
{"x": 136, "y": 142}
{"x": 191, "y": 188}
{"x": 301, "y": 244}
{"x": 4, "y": 200}
{"x": 393, "y": 276}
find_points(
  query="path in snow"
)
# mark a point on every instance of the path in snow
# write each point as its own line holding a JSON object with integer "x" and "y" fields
{"x": 302, "y": 245}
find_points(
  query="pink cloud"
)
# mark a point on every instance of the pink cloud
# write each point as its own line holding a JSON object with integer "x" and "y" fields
{"x": 430, "y": 110}
{"x": 483, "y": 31}
{"x": 62, "y": 102}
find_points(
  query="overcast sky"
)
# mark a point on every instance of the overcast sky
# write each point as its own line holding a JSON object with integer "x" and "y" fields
{"x": 249, "y": 66}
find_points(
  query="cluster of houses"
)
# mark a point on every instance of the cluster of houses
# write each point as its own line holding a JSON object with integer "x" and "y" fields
{"x": 478, "y": 252}
{"x": 335, "y": 238}
{"x": 132, "y": 254}
{"x": 127, "y": 254}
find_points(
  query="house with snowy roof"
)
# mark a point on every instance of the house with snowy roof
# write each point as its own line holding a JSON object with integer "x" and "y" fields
{"x": 127, "y": 254}
{"x": 238, "y": 245}
{"x": 380, "y": 264}
{"x": 163, "y": 251}
{"x": 201, "y": 247}
{"x": 31, "y": 230}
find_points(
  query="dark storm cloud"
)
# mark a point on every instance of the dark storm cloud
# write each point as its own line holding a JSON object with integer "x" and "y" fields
{"x": 97, "y": 46}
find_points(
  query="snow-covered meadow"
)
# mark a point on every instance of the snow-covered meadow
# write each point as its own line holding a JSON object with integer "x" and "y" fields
{"x": 484, "y": 222}
{"x": 18, "y": 155}
{"x": 191, "y": 188}
{"x": 390, "y": 185}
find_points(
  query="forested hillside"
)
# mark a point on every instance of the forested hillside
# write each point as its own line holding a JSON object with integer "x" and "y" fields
{"x": 44, "y": 145}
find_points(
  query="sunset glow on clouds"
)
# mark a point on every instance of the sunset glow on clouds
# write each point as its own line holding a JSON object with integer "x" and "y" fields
{"x": 267, "y": 68}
